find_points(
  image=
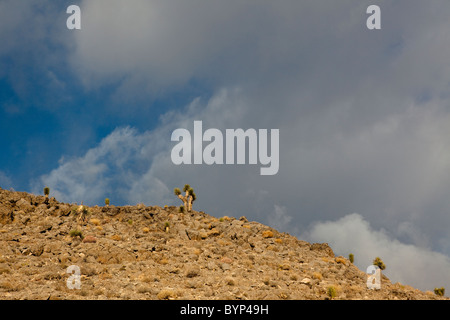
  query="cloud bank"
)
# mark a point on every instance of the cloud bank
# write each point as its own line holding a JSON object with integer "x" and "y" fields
{"x": 405, "y": 263}
{"x": 363, "y": 116}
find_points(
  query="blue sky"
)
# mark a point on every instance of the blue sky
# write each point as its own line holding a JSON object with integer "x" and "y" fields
{"x": 364, "y": 115}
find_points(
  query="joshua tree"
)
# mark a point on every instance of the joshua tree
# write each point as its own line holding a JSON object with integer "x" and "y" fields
{"x": 192, "y": 197}
{"x": 188, "y": 198}
{"x": 379, "y": 263}
{"x": 83, "y": 212}
{"x": 47, "y": 191}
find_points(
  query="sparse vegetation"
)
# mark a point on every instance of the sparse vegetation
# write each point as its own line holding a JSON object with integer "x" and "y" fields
{"x": 267, "y": 234}
{"x": 116, "y": 237}
{"x": 95, "y": 221}
{"x": 351, "y": 257}
{"x": 166, "y": 294}
{"x": 46, "y": 191}
{"x": 230, "y": 281}
{"x": 107, "y": 202}
{"x": 340, "y": 260}
{"x": 189, "y": 197}
{"x": 439, "y": 291}
{"x": 82, "y": 211}
{"x": 317, "y": 275}
{"x": 193, "y": 272}
{"x": 181, "y": 209}
{"x": 379, "y": 263}
{"x": 331, "y": 292}
{"x": 76, "y": 233}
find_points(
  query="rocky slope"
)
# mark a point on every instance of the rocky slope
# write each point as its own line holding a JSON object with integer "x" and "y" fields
{"x": 141, "y": 252}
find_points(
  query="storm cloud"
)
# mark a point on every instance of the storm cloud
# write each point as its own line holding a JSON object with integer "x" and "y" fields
{"x": 363, "y": 114}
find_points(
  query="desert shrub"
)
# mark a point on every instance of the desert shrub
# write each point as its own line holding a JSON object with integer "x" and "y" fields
{"x": 192, "y": 272}
{"x": 46, "y": 191}
{"x": 107, "y": 202}
{"x": 95, "y": 221}
{"x": 341, "y": 260}
{"x": 181, "y": 209}
{"x": 267, "y": 234}
{"x": 4, "y": 270}
{"x": 317, "y": 275}
{"x": 116, "y": 237}
{"x": 379, "y": 263}
{"x": 76, "y": 233}
{"x": 166, "y": 294}
{"x": 230, "y": 281}
{"x": 439, "y": 291}
{"x": 331, "y": 292}
{"x": 351, "y": 257}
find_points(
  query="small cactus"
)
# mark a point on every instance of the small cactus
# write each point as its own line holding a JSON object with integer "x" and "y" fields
{"x": 107, "y": 202}
{"x": 331, "y": 291}
{"x": 351, "y": 257}
{"x": 439, "y": 291}
{"x": 46, "y": 191}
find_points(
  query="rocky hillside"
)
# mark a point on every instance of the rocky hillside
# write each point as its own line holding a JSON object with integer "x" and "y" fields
{"x": 141, "y": 252}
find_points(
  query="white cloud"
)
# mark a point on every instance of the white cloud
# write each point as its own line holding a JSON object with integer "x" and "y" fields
{"x": 110, "y": 168}
{"x": 132, "y": 167}
{"x": 363, "y": 116}
{"x": 405, "y": 263}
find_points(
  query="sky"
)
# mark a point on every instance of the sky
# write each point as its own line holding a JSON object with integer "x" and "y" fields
{"x": 363, "y": 115}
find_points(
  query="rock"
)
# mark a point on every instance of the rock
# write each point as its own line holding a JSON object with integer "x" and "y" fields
{"x": 37, "y": 250}
{"x": 24, "y": 205}
{"x": 323, "y": 247}
{"x": 6, "y": 216}
{"x": 111, "y": 210}
{"x": 89, "y": 239}
{"x": 225, "y": 266}
{"x": 45, "y": 228}
{"x": 226, "y": 260}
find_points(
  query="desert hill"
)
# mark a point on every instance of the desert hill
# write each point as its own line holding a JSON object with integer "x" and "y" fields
{"x": 149, "y": 252}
